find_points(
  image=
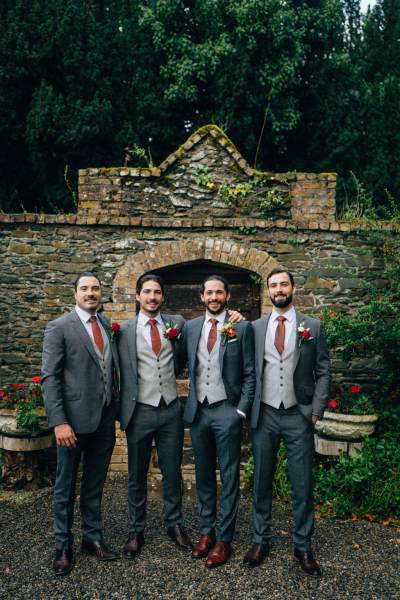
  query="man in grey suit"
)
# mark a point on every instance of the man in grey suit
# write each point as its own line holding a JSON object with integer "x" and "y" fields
{"x": 293, "y": 375}
{"x": 150, "y": 410}
{"x": 80, "y": 386}
{"x": 222, "y": 382}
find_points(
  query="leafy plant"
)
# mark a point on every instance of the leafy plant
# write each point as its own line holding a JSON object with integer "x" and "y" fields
{"x": 351, "y": 400}
{"x": 203, "y": 177}
{"x": 247, "y": 230}
{"x": 272, "y": 200}
{"x": 27, "y": 400}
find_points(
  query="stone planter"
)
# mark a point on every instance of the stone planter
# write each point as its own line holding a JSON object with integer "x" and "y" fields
{"x": 339, "y": 426}
{"x": 21, "y": 450}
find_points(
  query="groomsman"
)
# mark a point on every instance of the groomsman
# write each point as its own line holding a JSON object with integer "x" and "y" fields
{"x": 222, "y": 381}
{"x": 292, "y": 375}
{"x": 80, "y": 389}
{"x": 150, "y": 410}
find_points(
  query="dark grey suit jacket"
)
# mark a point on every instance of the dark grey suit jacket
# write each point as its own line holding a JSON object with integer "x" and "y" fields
{"x": 128, "y": 363}
{"x": 236, "y": 359}
{"x": 71, "y": 374}
{"x": 311, "y": 376}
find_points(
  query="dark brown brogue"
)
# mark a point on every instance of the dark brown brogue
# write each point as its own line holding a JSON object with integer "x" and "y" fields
{"x": 308, "y": 563}
{"x": 203, "y": 546}
{"x": 218, "y": 555}
{"x": 133, "y": 545}
{"x": 63, "y": 562}
{"x": 180, "y": 537}
{"x": 98, "y": 549}
{"x": 256, "y": 555}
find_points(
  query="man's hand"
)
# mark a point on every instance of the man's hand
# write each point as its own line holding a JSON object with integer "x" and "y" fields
{"x": 65, "y": 436}
{"x": 314, "y": 419}
{"x": 235, "y": 316}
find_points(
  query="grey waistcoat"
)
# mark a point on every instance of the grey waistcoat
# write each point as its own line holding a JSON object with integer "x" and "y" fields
{"x": 156, "y": 376}
{"x": 278, "y": 373}
{"x": 105, "y": 361}
{"x": 208, "y": 374}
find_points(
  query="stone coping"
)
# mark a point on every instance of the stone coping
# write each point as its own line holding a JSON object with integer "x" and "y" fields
{"x": 209, "y": 222}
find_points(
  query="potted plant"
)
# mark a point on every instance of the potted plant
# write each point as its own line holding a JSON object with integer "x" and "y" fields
{"x": 350, "y": 415}
{"x": 22, "y": 410}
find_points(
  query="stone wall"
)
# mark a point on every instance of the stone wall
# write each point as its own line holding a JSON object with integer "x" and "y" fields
{"x": 135, "y": 220}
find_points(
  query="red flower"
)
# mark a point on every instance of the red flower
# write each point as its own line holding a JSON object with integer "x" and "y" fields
{"x": 333, "y": 404}
{"x": 173, "y": 333}
{"x": 306, "y": 334}
{"x": 231, "y": 333}
{"x": 36, "y": 379}
{"x": 2, "y": 393}
{"x": 18, "y": 386}
{"x": 355, "y": 389}
{"x": 115, "y": 327}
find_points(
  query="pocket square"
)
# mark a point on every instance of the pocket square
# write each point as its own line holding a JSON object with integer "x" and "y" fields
{"x": 232, "y": 341}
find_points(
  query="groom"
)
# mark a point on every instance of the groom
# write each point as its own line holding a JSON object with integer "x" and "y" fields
{"x": 292, "y": 375}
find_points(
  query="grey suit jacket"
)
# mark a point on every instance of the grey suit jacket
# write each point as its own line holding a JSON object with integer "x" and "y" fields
{"x": 311, "y": 375}
{"x": 236, "y": 360}
{"x": 128, "y": 362}
{"x": 71, "y": 374}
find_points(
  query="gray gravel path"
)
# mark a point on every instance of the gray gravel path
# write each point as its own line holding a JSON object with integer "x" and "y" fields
{"x": 360, "y": 560}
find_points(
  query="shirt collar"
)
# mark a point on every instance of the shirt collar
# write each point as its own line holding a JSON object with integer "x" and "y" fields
{"x": 290, "y": 315}
{"x": 220, "y": 318}
{"x": 144, "y": 319}
{"x": 84, "y": 315}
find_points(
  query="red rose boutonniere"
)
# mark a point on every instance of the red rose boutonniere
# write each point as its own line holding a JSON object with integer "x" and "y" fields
{"x": 172, "y": 331}
{"x": 115, "y": 330}
{"x": 228, "y": 332}
{"x": 304, "y": 334}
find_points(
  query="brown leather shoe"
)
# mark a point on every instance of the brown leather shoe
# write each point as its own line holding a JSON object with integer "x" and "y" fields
{"x": 63, "y": 562}
{"x": 218, "y": 555}
{"x": 133, "y": 545}
{"x": 180, "y": 537}
{"x": 98, "y": 549}
{"x": 256, "y": 555}
{"x": 203, "y": 546}
{"x": 308, "y": 563}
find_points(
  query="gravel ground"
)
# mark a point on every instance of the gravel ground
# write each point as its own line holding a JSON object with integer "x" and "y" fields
{"x": 360, "y": 560}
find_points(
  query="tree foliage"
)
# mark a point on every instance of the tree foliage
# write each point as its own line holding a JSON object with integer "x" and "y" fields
{"x": 297, "y": 84}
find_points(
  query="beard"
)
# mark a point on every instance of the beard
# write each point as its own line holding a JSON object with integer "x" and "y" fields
{"x": 283, "y": 303}
{"x": 216, "y": 311}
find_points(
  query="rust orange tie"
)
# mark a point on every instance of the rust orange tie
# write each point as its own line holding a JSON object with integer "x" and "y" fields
{"x": 212, "y": 336}
{"x": 155, "y": 336}
{"x": 280, "y": 334}
{"x": 98, "y": 338}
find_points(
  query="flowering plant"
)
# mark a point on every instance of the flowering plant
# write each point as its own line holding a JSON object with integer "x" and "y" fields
{"x": 228, "y": 332}
{"x": 304, "y": 333}
{"x": 114, "y": 330}
{"x": 351, "y": 400}
{"x": 172, "y": 331}
{"x": 28, "y": 402}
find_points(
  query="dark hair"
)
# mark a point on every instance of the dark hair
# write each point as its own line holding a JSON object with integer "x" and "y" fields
{"x": 278, "y": 270}
{"x": 217, "y": 278}
{"x": 149, "y": 277}
{"x": 85, "y": 274}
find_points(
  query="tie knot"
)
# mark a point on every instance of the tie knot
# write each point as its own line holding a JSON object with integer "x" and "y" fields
{"x": 213, "y": 321}
{"x": 93, "y": 319}
{"x": 152, "y": 322}
{"x": 281, "y": 318}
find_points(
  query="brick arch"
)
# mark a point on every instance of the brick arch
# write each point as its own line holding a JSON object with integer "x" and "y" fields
{"x": 165, "y": 254}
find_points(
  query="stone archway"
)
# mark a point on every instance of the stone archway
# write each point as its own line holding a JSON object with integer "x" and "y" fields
{"x": 167, "y": 254}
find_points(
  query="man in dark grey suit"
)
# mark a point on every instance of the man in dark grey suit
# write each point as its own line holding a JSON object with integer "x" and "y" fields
{"x": 80, "y": 386}
{"x": 293, "y": 375}
{"x": 222, "y": 382}
{"x": 150, "y": 410}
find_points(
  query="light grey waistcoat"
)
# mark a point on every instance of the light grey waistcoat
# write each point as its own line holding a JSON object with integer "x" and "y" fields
{"x": 156, "y": 376}
{"x": 105, "y": 361}
{"x": 278, "y": 373}
{"x": 208, "y": 373}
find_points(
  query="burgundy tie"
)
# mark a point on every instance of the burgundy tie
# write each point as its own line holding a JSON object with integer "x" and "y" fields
{"x": 98, "y": 338}
{"x": 212, "y": 336}
{"x": 155, "y": 336}
{"x": 280, "y": 334}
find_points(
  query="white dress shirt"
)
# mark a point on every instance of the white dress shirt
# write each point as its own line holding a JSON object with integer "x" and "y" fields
{"x": 144, "y": 328}
{"x": 85, "y": 317}
{"x": 290, "y": 323}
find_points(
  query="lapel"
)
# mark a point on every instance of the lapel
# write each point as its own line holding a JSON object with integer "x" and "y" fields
{"x": 194, "y": 340}
{"x": 106, "y": 326}
{"x": 222, "y": 347}
{"x": 299, "y": 318}
{"x": 131, "y": 333}
{"x": 260, "y": 340}
{"x": 84, "y": 336}
{"x": 167, "y": 319}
